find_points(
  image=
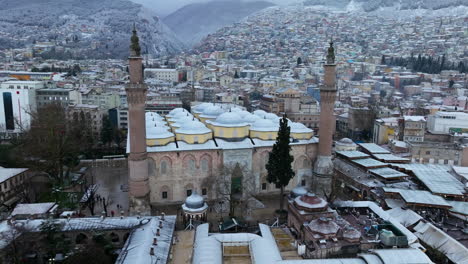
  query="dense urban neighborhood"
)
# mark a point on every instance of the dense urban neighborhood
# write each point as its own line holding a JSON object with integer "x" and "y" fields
{"x": 315, "y": 132}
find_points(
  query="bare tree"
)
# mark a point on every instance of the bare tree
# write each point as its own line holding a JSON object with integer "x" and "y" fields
{"x": 12, "y": 246}
{"x": 234, "y": 185}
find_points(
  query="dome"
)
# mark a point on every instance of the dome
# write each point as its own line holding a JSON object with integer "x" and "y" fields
{"x": 199, "y": 108}
{"x": 194, "y": 201}
{"x": 236, "y": 109}
{"x": 243, "y": 113}
{"x": 346, "y": 141}
{"x": 298, "y": 191}
{"x": 174, "y": 111}
{"x": 229, "y": 118}
{"x": 158, "y": 132}
{"x": 152, "y": 124}
{"x": 271, "y": 116}
{"x": 310, "y": 202}
{"x": 264, "y": 125}
{"x": 251, "y": 118}
{"x": 299, "y": 128}
{"x": 260, "y": 113}
{"x": 324, "y": 226}
{"x": 212, "y": 111}
{"x": 193, "y": 127}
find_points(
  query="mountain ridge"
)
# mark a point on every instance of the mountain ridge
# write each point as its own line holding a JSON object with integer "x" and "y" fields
{"x": 194, "y": 21}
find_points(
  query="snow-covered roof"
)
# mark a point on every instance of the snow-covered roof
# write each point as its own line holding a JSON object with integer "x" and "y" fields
{"x": 33, "y": 208}
{"x": 374, "y": 148}
{"x": 415, "y": 118}
{"x": 441, "y": 241}
{"x": 158, "y": 132}
{"x": 419, "y": 197}
{"x": 352, "y": 154}
{"x": 7, "y": 173}
{"x": 388, "y": 173}
{"x": 406, "y": 217}
{"x": 229, "y": 119}
{"x": 138, "y": 245}
{"x": 251, "y": 118}
{"x": 299, "y": 128}
{"x": 264, "y": 125}
{"x": 193, "y": 127}
{"x": 212, "y": 111}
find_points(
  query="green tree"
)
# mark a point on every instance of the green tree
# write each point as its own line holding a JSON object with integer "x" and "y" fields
{"x": 299, "y": 61}
{"x": 107, "y": 131}
{"x": 280, "y": 159}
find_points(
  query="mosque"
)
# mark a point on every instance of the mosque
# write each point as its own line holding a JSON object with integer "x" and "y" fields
{"x": 173, "y": 156}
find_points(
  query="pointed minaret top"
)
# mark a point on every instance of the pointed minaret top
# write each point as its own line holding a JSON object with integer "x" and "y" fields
{"x": 135, "y": 43}
{"x": 331, "y": 54}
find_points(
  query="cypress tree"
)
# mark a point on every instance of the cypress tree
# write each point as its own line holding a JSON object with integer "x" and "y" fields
{"x": 279, "y": 167}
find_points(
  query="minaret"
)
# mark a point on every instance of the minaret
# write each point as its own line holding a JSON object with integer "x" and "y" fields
{"x": 137, "y": 160}
{"x": 323, "y": 167}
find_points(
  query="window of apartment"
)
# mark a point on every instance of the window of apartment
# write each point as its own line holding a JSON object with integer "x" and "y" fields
{"x": 428, "y": 152}
{"x": 164, "y": 195}
{"x": 264, "y": 186}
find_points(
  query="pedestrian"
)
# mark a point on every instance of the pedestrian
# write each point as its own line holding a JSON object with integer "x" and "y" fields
{"x": 112, "y": 213}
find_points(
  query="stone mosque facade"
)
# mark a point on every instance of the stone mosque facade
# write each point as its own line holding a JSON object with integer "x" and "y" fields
{"x": 173, "y": 156}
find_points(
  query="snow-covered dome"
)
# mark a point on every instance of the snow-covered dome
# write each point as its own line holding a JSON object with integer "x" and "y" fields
{"x": 158, "y": 132}
{"x": 175, "y": 111}
{"x": 310, "y": 202}
{"x": 346, "y": 141}
{"x": 151, "y": 124}
{"x": 271, "y": 116}
{"x": 193, "y": 127}
{"x": 251, "y": 118}
{"x": 264, "y": 125}
{"x": 243, "y": 113}
{"x": 199, "y": 108}
{"x": 298, "y": 191}
{"x": 299, "y": 128}
{"x": 236, "y": 109}
{"x": 194, "y": 201}
{"x": 212, "y": 111}
{"x": 260, "y": 113}
{"x": 229, "y": 118}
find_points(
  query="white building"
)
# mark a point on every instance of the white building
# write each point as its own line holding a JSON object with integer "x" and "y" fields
{"x": 17, "y": 100}
{"x": 443, "y": 122}
{"x": 171, "y": 75}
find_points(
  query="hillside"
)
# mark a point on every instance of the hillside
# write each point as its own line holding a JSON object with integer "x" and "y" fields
{"x": 85, "y": 28}
{"x": 193, "y": 22}
{"x": 373, "y": 5}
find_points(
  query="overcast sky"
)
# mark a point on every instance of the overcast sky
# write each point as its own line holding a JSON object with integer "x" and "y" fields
{"x": 165, "y": 7}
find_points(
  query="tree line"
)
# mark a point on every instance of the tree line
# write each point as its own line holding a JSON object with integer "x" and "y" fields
{"x": 425, "y": 64}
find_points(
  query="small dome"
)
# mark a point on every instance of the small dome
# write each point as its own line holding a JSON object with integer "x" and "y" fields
{"x": 299, "y": 128}
{"x": 193, "y": 127}
{"x": 158, "y": 132}
{"x": 346, "y": 141}
{"x": 251, "y": 118}
{"x": 310, "y": 202}
{"x": 264, "y": 125}
{"x": 260, "y": 113}
{"x": 236, "y": 109}
{"x": 229, "y": 118}
{"x": 152, "y": 124}
{"x": 243, "y": 113}
{"x": 271, "y": 116}
{"x": 199, "y": 108}
{"x": 324, "y": 226}
{"x": 174, "y": 111}
{"x": 298, "y": 191}
{"x": 194, "y": 201}
{"x": 212, "y": 111}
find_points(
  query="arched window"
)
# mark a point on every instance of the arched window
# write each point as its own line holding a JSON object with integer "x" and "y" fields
{"x": 191, "y": 165}
{"x": 305, "y": 163}
{"x": 204, "y": 165}
{"x": 151, "y": 167}
{"x": 81, "y": 239}
{"x": 163, "y": 167}
{"x": 114, "y": 237}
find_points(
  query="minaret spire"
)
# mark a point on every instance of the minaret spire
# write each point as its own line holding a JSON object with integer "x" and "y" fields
{"x": 323, "y": 167}
{"x": 137, "y": 160}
